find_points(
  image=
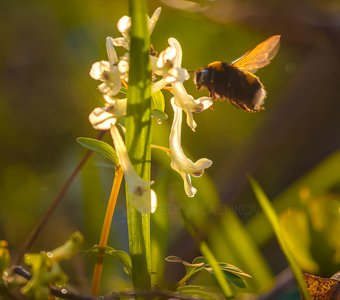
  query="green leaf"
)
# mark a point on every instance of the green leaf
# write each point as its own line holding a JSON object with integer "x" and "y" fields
{"x": 207, "y": 253}
{"x": 100, "y": 147}
{"x": 232, "y": 269}
{"x": 123, "y": 90}
{"x": 195, "y": 263}
{"x": 218, "y": 273}
{"x": 273, "y": 219}
{"x": 68, "y": 249}
{"x": 199, "y": 260}
{"x": 200, "y": 263}
{"x": 235, "y": 279}
{"x": 46, "y": 270}
{"x": 158, "y": 115}
{"x": 229, "y": 238}
{"x": 232, "y": 273}
{"x": 157, "y": 101}
{"x": 44, "y": 273}
{"x": 190, "y": 268}
{"x": 158, "y": 106}
{"x": 173, "y": 258}
{"x": 121, "y": 255}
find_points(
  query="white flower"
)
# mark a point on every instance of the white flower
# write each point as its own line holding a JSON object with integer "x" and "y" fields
{"x": 107, "y": 71}
{"x": 153, "y": 20}
{"x": 169, "y": 66}
{"x": 124, "y": 26}
{"x": 102, "y": 118}
{"x": 123, "y": 67}
{"x": 189, "y": 104}
{"x": 179, "y": 161}
{"x": 142, "y": 197}
{"x": 111, "y": 52}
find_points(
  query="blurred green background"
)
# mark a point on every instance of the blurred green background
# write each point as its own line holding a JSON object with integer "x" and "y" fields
{"x": 46, "y": 95}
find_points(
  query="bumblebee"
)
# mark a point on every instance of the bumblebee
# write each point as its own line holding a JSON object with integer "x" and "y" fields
{"x": 236, "y": 81}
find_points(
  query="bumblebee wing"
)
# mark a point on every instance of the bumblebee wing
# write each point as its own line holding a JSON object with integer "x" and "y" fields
{"x": 260, "y": 56}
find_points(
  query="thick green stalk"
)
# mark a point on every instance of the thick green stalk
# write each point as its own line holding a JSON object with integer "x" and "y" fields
{"x": 138, "y": 140}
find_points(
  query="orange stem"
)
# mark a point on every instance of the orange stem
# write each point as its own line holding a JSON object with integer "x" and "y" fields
{"x": 97, "y": 273}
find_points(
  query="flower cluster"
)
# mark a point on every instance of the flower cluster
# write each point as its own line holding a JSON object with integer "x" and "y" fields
{"x": 167, "y": 68}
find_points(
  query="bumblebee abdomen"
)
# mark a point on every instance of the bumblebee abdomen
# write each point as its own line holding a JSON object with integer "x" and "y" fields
{"x": 243, "y": 89}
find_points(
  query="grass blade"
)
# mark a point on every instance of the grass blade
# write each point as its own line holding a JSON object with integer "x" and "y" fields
{"x": 218, "y": 273}
{"x": 274, "y": 221}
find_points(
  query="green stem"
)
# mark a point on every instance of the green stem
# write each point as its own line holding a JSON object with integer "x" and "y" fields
{"x": 138, "y": 141}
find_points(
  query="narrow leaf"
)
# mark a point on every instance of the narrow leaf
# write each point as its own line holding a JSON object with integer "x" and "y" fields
{"x": 232, "y": 269}
{"x": 173, "y": 258}
{"x": 100, "y": 147}
{"x": 218, "y": 273}
{"x": 121, "y": 255}
{"x": 123, "y": 90}
{"x": 235, "y": 279}
{"x": 158, "y": 115}
{"x": 157, "y": 101}
{"x": 273, "y": 219}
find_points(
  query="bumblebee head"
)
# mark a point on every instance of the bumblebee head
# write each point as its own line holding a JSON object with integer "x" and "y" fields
{"x": 202, "y": 78}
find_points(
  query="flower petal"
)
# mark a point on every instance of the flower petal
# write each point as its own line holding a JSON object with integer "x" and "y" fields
{"x": 139, "y": 189}
{"x": 153, "y": 20}
{"x": 104, "y": 88}
{"x": 158, "y": 85}
{"x": 190, "y": 120}
{"x": 179, "y": 161}
{"x": 124, "y": 25}
{"x": 101, "y": 119}
{"x": 116, "y": 106}
{"x": 205, "y": 101}
{"x": 111, "y": 52}
{"x": 121, "y": 42}
{"x": 179, "y": 74}
{"x": 154, "y": 202}
{"x": 188, "y": 188}
{"x": 99, "y": 68}
{"x": 123, "y": 67}
{"x": 147, "y": 203}
{"x": 200, "y": 165}
{"x": 178, "y": 49}
{"x": 188, "y": 103}
{"x": 166, "y": 58}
